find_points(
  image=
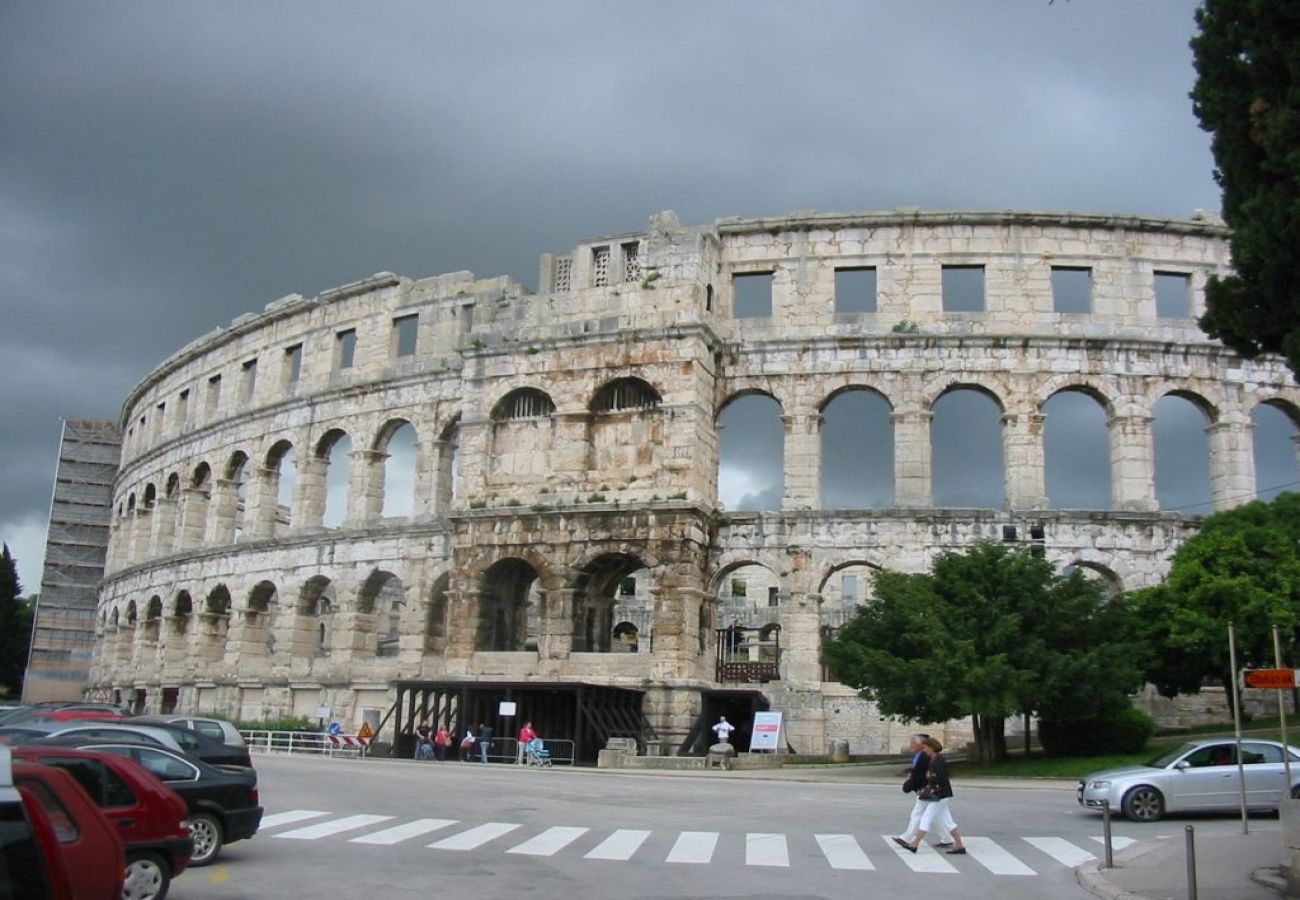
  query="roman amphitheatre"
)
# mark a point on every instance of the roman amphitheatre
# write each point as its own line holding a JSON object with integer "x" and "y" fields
{"x": 407, "y": 498}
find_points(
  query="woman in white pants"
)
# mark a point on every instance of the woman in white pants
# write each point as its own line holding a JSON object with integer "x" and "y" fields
{"x": 939, "y": 791}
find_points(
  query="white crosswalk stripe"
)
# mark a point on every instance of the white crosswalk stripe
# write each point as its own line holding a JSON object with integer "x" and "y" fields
{"x": 842, "y": 851}
{"x": 289, "y": 817}
{"x": 1118, "y": 842}
{"x": 620, "y": 845}
{"x": 764, "y": 849}
{"x": 475, "y": 837}
{"x": 1061, "y": 850}
{"x": 325, "y": 829}
{"x": 549, "y": 842}
{"x": 994, "y": 857}
{"x": 693, "y": 847}
{"x": 405, "y": 832}
{"x": 925, "y": 859}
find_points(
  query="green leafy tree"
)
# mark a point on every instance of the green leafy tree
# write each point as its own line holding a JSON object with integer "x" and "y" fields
{"x": 15, "y": 627}
{"x": 1242, "y": 567}
{"x": 1247, "y": 95}
{"x": 991, "y": 633}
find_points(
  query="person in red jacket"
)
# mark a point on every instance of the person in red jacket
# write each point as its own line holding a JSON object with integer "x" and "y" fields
{"x": 526, "y": 734}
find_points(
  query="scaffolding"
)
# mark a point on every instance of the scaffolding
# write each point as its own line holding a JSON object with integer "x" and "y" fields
{"x": 63, "y": 636}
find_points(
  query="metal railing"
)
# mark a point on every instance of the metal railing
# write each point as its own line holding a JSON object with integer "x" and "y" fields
{"x": 506, "y": 750}
{"x": 315, "y": 743}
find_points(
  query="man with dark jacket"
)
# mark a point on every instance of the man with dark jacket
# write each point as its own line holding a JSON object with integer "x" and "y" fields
{"x": 916, "y": 780}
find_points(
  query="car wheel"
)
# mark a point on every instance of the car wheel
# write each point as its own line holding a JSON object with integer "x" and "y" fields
{"x": 148, "y": 877}
{"x": 1144, "y": 804}
{"x": 206, "y": 832}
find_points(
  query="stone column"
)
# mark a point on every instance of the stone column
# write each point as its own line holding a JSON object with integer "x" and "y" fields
{"x": 1232, "y": 460}
{"x": 164, "y": 526}
{"x": 262, "y": 504}
{"x": 1132, "y": 464}
{"x": 472, "y": 474}
{"x": 365, "y": 485}
{"x": 912, "y": 458}
{"x": 462, "y": 621}
{"x": 194, "y": 517}
{"x": 800, "y": 618}
{"x": 802, "y": 461}
{"x": 140, "y": 530}
{"x": 555, "y": 628}
{"x": 309, "y": 502}
{"x": 426, "y": 468}
{"x": 221, "y": 514}
{"x": 1023, "y": 461}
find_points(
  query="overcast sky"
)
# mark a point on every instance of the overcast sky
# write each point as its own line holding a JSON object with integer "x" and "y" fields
{"x": 167, "y": 166}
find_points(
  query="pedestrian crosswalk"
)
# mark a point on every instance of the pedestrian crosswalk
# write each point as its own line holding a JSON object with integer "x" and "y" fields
{"x": 1015, "y": 856}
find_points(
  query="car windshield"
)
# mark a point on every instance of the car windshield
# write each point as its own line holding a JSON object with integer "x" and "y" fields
{"x": 1164, "y": 759}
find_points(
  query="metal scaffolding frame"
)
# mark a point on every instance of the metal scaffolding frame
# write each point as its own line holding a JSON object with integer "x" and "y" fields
{"x": 63, "y": 636}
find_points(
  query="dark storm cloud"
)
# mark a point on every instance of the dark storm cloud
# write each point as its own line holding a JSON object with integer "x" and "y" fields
{"x": 165, "y": 167}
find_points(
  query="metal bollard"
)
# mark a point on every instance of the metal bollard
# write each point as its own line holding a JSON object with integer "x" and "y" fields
{"x": 1105, "y": 831}
{"x": 1191, "y": 863}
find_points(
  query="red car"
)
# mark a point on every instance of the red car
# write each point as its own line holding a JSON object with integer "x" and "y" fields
{"x": 88, "y": 847}
{"x": 149, "y": 816}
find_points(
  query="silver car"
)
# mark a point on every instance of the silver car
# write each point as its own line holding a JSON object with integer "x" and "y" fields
{"x": 1199, "y": 776}
{"x": 217, "y": 729}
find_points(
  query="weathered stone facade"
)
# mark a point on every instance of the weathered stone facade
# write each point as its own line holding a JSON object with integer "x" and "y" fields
{"x": 559, "y": 517}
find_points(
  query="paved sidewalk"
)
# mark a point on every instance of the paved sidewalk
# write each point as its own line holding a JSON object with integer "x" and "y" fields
{"x": 1157, "y": 869}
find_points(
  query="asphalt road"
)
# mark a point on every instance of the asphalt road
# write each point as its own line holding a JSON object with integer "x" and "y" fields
{"x": 398, "y": 829}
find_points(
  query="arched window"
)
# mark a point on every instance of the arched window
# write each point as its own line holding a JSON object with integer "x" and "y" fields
{"x": 623, "y": 394}
{"x": 398, "y": 441}
{"x": 751, "y": 454}
{"x": 335, "y": 449}
{"x": 523, "y": 403}
{"x": 1076, "y": 448}
{"x": 1182, "y": 455}
{"x": 509, "y": 593}
{"x": 966, "y": 450}
{"x": 857, "y": 449}
{"x": 381, "y": 599}
{"x": 282, "y": 468}
{"x": 1275, "y": 450}
{"x": 237, "y": 474}
{"x": 435, "y": 630}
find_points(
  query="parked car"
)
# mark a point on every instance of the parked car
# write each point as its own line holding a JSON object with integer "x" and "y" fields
{"x": 1194, "y": 777}
{"x": 174, "y": 737}
{"x": 89, "y": 846}
{"x": 30, "y": 857}
{"x": 150, "y": 817}
{"x": 217, "y": 729}
{"x": 212, "y": 750}
{"x": 223, "y": 802}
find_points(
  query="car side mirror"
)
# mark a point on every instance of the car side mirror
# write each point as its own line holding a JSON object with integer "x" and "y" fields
{"x": 1182, "y": 764}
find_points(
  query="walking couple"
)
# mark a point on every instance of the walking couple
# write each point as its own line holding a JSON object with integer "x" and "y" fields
{"x": 928, "y": 777}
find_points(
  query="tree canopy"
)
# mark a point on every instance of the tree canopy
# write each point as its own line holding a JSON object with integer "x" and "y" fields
{"x": 1243, "y": 567}
{"x": 990, "y": 633}
{"x": 15, "y": 626}
{"x": 1247, "y": 95}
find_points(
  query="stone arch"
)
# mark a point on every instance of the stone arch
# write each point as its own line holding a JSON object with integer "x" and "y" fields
{"x": 182, "y": 609}
{"x": 215, "y": 622}
{"x": 1275, "y": 444}
{"x": 967, "y": 466}
{"x": 1182, "y": 452}
{"x": 626, "y": 637}
{"x": 447, "y": 473}
{"x": 748, "y": 592}
{"x": 844, "y": 587}
{"x": 260, "y": 610}
{"x": 1083, "y": 384}
{"x": 596, "y": 598}
{"x": 314, "y": 617}
{"x": 379, "y": 605}
{"x": 153, "y": 611}
{"x": 1105, "y": 574}
{"x": 751, "y": 452}
{"x": 131, "y": 614}
{"x": 172, "y": 489}
{"x": 625, "y": 394}
{"x": 509, "y": 598}
{"x": 857, "y": 449}
{"x": 333, "y": 451}
{"x": 281, "y": 468}
{"x": 436, "y": 618}
{"x": 262, "y": 597}
{"x": 523, "y": 403}
{"x": 201, "y": 477}
{"x": 150, "y": 497}
{"x": 236, "y": 475}
{"x": 1076, "y": 448}
{"x": 398, "y": 441}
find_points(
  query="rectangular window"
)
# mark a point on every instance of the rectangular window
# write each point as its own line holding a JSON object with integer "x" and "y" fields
{"x": 467, "y": 318}
{"x": 738, "y": 587}
{"x": 751, "y": 295}
{"x": 405, "y": 331}
{"x": 292, "y": 364}
{"x": 773, "y": 596}
{"x": 600, "y": 266}
{"x": 1071, "y": 289}
{"x": 183, "y": 408}
{"x": 249, "y": 372}
{"x": 1173, "y": 295}
{"x": 627, "y": 587}
{"x": 563, "y": 274}
{"x": 345, "y": 348}
{"x": 855, "y": 290}
{"x": 963, "y": 289}
{"x": 849, "y": 589}
{"x": 214, "y": 394}
{"x": 159, "y": 418}
{"x": 632, "y": 262}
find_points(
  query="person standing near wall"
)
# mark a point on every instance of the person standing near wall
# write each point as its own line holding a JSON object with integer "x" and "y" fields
{"x": 484, "y": 742}
{"x": 723, "y": 730}
{"x": 441, "y": 741}
{"x": 526, "y": 734}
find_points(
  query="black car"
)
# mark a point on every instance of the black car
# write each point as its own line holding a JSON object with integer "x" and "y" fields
{"x": 200, "y": 745}
{"x": 223, "y": 802}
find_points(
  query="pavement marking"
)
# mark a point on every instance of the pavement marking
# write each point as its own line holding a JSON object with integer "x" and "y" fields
{"x": 286, "y": 818}
{"x": 324, "y": 829}
{"x": 923, "y": 860}
{"x": 399, "y": 833}
{"x": 620, "y": 845}
{"x": 1117, "y": 842}
{"x": 994, "y": 857}
{"x": 550, "y": 841}
{"x": 764, "y": 849}
{"x": 475, "y": 837}
{"x": 1061, "y": 850}
{"x": 693, "y": 847}
{"x": 843, "y": 852}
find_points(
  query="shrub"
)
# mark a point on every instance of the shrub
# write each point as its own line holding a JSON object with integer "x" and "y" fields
{"x": 1127, "y": 731}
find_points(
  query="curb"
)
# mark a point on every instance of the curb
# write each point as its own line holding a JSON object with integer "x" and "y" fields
{"x": 1092, "y": 878}
{"x": 1270, "y": 877}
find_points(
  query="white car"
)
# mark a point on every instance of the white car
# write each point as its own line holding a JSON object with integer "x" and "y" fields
{"x": 217, "y": 729}
{"x": 1200, "y": 776}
